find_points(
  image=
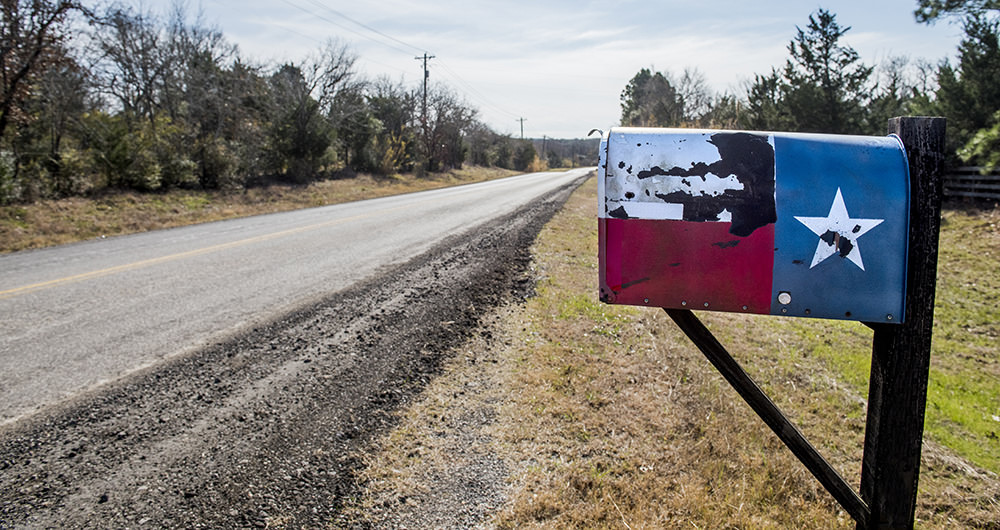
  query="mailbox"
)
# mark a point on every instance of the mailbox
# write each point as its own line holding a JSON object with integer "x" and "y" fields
{"x": 807, "y": 225}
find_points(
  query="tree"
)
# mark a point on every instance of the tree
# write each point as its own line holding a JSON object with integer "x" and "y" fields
{"x": 133, "y": 62}
{"x": 505, "y": 152}
{"x": 301, "y": 110}
{"x": 483, "y": 144}
{"x": 200, "y": 94}
{"x": 524, "y": 155}
{"x": 394, "y": 108}
{"x": 724, "y": 112}
{"x": 823, "y": 87}
{"x": 357, "y": 129}
{"x": 650, "y": 100}
{"x": 765, "y": 105}
{"x": 553, "y": 160}
{"x": 984, "y": 147}
{"x": 57, "y": 105}
{"x": 696, "y": 97}
{"x": 827, "y": 82}
{"x": 895, "y": 94}
{"x": 447, "y": 122}
{"x": 30, "y": 35}
{"x": 968, "y": 94}
{"x": 299, "y": 134}
{"x": 928, "y": 11}
{"x": 655, "y": 99}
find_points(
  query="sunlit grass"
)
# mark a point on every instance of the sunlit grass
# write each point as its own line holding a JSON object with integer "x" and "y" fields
{"x": 625, "y": 423}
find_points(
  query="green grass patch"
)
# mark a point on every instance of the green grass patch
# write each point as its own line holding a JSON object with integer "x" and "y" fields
{"x": 963, "y": 396}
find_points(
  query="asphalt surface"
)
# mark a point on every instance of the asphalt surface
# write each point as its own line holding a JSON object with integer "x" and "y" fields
{"x": 75, "y": 317}
{"x": 268, "y": 425}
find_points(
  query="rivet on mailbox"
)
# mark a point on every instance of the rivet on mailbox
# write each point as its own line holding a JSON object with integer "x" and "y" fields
{"x": 744, "y": 219}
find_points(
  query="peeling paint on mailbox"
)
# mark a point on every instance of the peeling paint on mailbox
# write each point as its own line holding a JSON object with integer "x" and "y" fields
{"x": 771, "y": 223}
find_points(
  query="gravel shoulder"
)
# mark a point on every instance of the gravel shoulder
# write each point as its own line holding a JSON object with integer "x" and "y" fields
{"x": 441, "y": 466}
{"x": 267, "y": 429}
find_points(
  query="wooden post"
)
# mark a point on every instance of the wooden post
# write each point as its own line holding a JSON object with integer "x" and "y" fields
{"x": 897, "y": 393}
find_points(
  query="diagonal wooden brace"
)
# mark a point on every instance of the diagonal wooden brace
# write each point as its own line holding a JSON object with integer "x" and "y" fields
{"x": 771, "y": 414}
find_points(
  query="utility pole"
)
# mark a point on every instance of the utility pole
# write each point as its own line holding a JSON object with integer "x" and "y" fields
{"x": 426, "y": 75}
{"x": 522, "y": 120}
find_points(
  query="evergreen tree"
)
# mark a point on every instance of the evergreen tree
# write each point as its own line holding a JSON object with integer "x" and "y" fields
{"x": 822, "y": 88}
{"x": 765, "y": 106}
{"x": 651, "y": 100}
{"x": 968, "y": 94}
{"x": 930, "y": 10}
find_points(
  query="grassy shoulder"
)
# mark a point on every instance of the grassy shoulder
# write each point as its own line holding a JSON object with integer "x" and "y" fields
{"x": 614, "y": 418}
{"x": 56, "y": 222}
{"x": 620, "y": 420}
{"x": 607, "y": 416}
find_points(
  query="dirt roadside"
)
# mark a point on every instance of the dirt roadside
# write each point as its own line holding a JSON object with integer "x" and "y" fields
{"x": 264, "y": 429}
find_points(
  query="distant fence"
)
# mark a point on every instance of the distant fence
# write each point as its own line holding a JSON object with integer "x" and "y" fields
{"x": 970, "y": 182}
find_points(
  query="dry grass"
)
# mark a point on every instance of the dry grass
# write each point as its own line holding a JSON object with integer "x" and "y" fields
{"x": 56, "y": 222}
{"x": 614, "y": 420}
{"x": 608, "y": 417}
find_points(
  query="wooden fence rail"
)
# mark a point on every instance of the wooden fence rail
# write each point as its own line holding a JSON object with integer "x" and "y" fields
{"x": 970, "y": 182}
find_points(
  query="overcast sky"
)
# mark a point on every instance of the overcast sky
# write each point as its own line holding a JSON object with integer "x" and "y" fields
{"x": 561, "y": 65}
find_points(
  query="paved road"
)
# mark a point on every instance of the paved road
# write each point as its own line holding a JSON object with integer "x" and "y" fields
{"x": 76, "y": 316}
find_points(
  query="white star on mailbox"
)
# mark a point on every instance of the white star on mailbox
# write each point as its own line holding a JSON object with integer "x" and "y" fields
{"x": 838, "y": 233}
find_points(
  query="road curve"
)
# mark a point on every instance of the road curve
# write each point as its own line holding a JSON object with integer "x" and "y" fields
{"x": 77, "y": 316}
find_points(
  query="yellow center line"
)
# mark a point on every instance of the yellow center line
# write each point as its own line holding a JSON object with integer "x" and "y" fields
{"x": 10, "y": 293}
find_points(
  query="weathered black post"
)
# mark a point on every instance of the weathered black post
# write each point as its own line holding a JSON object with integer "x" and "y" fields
{"x": 897, "y": 392}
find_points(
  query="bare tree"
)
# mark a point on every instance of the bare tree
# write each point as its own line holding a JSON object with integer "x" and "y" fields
{"x": 330, "y": 72}
{"x": 30, "y": 33}
{"x": 449, "y": 118}
{"x": 695, "y": 95}
{"x": 133, "y": 60}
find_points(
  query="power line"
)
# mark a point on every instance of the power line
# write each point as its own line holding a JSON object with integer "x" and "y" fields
{"x": 469, "y": 88}
{"x": 465, "y": 85}
{"x": 363, "y": 25}
{"x": 339, "y": 25}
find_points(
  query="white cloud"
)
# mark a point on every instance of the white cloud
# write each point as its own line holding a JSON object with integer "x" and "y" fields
{"x": 562, "y": 64}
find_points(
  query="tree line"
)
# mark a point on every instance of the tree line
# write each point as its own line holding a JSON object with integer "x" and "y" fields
{"x": 825, "y": 87}
{"x": 114, "y": 97}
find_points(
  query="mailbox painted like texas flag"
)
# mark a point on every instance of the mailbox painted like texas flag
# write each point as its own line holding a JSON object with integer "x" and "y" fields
{"x": 789, "y": 224}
